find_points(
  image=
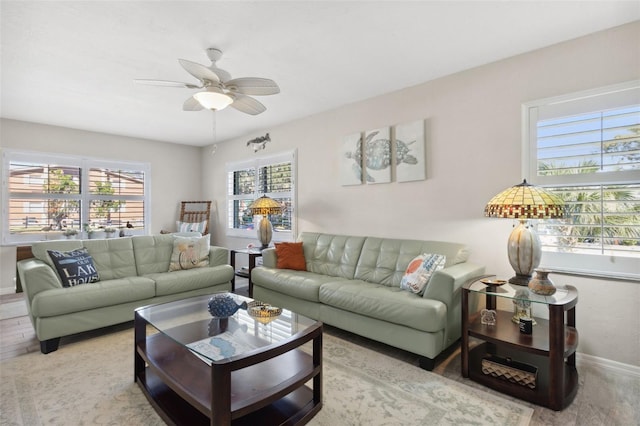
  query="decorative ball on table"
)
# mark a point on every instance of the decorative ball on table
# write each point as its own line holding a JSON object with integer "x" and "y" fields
{"x": 223, "y": 305}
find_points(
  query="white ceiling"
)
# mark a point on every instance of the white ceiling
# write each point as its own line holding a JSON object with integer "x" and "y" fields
{"x": 72, "y": 64}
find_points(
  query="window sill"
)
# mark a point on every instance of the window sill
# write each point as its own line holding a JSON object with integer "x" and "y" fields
{"x": 614, "y": 276}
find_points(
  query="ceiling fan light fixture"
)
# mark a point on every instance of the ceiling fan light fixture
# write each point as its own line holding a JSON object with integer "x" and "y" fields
{"x": 213, "y": 98}
{"x": 218, "y": 89}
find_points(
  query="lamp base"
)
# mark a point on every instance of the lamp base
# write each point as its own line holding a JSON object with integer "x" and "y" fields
{"x": 519, "y": 279}
{"x": 524, "y": 250}
{"x": 265, "y": 232}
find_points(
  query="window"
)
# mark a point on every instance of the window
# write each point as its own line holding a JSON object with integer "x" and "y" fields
{"x": 585, "y": 147}
{"x": 45, "y": 194}
{"x": 272, "y": 176}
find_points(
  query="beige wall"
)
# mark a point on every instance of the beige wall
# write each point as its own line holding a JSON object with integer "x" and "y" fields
{"x": 175, "y": 169}
{"x": 473, "y": 152}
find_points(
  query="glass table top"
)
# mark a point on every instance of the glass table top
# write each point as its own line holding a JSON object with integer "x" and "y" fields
{"x": 563, "y": 295}
{"x": 189, "y": 323}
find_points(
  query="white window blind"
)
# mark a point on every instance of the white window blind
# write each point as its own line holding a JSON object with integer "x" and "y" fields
{"x": 44, "y": 195}
{"x": 586, "y": 148}
{"x": 273, "y": 176}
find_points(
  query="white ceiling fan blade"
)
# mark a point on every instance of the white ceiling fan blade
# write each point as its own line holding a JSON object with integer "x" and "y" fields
{"x": 253, "y": 86}
{"x": 199, "y": 71}
{"x": 191, "y": 104}
{"x": 167, "y": 83}
{"x": 247, "y": 105}
{"x": 222, "y": 74}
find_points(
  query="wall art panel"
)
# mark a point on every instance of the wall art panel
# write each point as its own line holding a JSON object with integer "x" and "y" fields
{"x": 377, "y": 155}
{"x": 410, "y": 151}
{"x": 351, "y": 160}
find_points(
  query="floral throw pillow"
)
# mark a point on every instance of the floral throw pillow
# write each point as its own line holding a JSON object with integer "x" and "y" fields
{"x": 420, "y": 270}
{"x": 189, "y": 252}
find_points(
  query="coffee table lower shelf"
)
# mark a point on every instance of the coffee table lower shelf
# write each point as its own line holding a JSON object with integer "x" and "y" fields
{"x": 273, "y": 392}
{"x": 291, "y": 409}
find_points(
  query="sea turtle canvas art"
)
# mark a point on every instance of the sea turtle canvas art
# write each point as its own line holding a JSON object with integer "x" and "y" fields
{"x": 351, "y": 160}
{"x": 376, "y": 151}
{"x": 372, "y": 158}
{"x": 410, "y": 151}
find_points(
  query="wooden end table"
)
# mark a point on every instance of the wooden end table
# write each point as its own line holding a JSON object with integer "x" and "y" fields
{"x": 253, "y": 254}
{"x": 551, "y": 348}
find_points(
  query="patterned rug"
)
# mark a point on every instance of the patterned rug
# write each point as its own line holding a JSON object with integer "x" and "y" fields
{"x": 90, "y": 381}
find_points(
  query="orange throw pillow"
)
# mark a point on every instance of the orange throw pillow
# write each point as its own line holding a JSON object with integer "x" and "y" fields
{"x": 290, "y": 256}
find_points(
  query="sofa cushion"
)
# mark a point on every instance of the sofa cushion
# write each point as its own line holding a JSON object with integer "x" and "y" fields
{"x": 152, "y": 253}
{"x": 420, "y": 270}
{"x": 384, "y": 260}
{"x": 74, "y": 267}
{"x": 39, "y": 249}
{"x": 385, "y": 303}
{"x": 333, "y": 255}
{"x": 299, "y": 284}
{"x": 189, "y": 253}
{"x": 113, "y": 257}
{"x": 62, "y": 301}
{"x": 190, "y": 279}
{"x": 290, "y": 256}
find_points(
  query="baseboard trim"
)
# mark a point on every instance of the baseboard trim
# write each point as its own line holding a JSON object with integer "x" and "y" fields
{"x": 607, "y": 364}
{"x": 7, "y": 290}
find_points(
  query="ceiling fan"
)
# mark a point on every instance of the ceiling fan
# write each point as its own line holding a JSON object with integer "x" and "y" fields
{"x": 220, "y": 90}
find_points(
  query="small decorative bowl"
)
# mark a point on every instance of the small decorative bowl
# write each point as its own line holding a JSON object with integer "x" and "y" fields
{"x": 263, "y": 312}
{"x": 493, "y": 282}
{"x": 255, "y": 303}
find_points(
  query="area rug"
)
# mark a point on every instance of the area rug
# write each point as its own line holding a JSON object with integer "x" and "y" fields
{"x": 90, "y": 382}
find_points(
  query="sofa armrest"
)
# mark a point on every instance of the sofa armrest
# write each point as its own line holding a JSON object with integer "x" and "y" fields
{"x": 218, "y": 256}
{"x": 446, "y": 286}
{"x": 36, "y": 276}
{"x": 445, "y": 283}
{"x": 269, "y": 258}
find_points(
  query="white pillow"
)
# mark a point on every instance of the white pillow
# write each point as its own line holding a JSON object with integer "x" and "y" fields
{"x": 191, "y": 226}
{"x": 186, "y": 234}
{"x": 420, "y": 270}
{"x": 189, "y": 252}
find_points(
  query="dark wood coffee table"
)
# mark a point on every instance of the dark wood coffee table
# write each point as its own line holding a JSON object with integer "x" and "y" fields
{"x": 195, "y": 369}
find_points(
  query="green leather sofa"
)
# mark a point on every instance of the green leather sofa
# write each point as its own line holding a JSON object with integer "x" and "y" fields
{"x": 133, "y": 273}
{"x": 353, "y": 283}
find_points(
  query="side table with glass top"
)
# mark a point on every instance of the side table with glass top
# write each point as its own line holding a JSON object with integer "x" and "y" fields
{"x": 253, "y": 254}
{"x": 550, "y": 348}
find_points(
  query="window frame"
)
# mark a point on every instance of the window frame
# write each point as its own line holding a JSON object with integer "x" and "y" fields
{"x": 85, "y": 164}
{"x": 597, "y": 265}
{"x": 256, "y": 163}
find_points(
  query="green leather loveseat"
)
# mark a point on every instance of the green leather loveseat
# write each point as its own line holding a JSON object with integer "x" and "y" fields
{"x": 353, "y": 283}
{"x": 133, "y": 272}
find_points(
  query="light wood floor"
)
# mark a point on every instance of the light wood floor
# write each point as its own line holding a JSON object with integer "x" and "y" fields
{"x": 603, "y": 398}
